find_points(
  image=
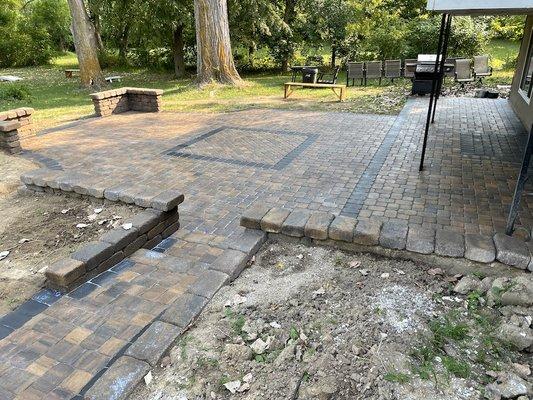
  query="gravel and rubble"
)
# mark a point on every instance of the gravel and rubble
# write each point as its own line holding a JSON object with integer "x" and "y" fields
{"x": 315, "y": 323}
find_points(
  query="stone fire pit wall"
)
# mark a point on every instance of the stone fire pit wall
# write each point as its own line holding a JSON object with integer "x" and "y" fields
{"x": 117, "y": 101}
{"x": 21, "y": 115}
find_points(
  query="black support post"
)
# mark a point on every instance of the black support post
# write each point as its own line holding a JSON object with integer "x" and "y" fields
{"x": 442, "y": 64}
{"x": 520, "y": 184}
{"x": 438, "y": 72}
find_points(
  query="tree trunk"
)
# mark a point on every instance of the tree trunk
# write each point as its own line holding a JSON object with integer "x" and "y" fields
{"x": 97, "y": 32}
{"x": 85, "y": 43}
{"x": 333, "y": 55}
{"x": 177, "y": 49}
{"x": 288, "y": 17}
{"x": 123, "y": 43}
{"x": 214, "y": 60}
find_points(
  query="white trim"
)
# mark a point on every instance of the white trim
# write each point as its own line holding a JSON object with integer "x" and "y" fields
{"x": 481, "y": 6}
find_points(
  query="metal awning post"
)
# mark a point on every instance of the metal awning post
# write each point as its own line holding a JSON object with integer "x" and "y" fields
{"x": 520, "y": 184}
{"x": 442, "y": 34}
{"x": 440, "y": 73}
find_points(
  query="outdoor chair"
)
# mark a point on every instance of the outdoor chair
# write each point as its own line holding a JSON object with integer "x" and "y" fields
{"x": 409, "y": 72}
{"x": 332, "y": 77}
{"x": 450, "y": 73}
{"x": 355, "y": 70}
{"x": 393, "y": 69}
{"x": 481, "y": 67}
{"x": 374, "y": 70}
{"x": 463, "y": 72}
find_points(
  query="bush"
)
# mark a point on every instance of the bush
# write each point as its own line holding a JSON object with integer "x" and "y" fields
{"x": 14, "y": 91}
{"x": 510, "y": 27}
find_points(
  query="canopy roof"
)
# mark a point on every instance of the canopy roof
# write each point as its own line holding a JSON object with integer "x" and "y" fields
{"x": 481, "y": 7}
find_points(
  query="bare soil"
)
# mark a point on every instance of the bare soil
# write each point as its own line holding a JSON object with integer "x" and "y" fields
{"x": 315, "y": 323}
{"x": 39, "y": 229}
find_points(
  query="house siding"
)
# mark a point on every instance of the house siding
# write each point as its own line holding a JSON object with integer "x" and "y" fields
{"x": 522, "y": 107}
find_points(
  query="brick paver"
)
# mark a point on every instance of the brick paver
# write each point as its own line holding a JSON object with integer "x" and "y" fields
{"x": 362, "y": 166}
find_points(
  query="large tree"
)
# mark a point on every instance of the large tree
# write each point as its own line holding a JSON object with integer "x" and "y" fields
{"x": 85, "y": 43}
{"x": 214, "y": 57}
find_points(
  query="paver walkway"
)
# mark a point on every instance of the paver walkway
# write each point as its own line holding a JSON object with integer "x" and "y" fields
{"x": 357, "y": 165}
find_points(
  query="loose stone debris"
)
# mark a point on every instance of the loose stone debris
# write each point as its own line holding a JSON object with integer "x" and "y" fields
{"x": 306, "y": 323}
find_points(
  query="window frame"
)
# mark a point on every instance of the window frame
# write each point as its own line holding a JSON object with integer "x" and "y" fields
{"x": 528, "y": 63}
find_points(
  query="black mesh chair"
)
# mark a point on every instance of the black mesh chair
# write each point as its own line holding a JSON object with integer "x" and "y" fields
{"x": 330, "y": 78}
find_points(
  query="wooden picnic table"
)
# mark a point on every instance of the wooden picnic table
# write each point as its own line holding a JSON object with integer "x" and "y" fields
{"x": 69, "y": 73}
{"x": 341, "y": 94}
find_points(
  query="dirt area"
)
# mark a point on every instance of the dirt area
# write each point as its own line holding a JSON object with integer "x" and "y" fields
{"x": 314, "y": 323}
{"x": 37, "y": 230}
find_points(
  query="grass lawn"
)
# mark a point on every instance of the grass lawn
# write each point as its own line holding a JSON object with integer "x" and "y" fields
{"x": 58, "y": 99}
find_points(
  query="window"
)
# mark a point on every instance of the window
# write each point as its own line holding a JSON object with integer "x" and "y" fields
{"x": 526, "y": 85}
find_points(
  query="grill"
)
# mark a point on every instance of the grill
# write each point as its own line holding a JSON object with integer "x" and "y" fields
{"x": 425, "y": 73}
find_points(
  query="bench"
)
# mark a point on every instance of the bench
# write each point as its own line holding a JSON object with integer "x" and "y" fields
{"x": 116, "y": 78}
{"x": 341, "y": 94}
{"x": 69, "y": 73}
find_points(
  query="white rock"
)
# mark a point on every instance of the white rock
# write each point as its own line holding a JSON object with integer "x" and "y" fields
{"x": 259, "y": 346}
{"x": 275, "y": 325}
{"x": 23, "y": 240}
{"x": 66, "y": 210}
{"x": 248, "y": 377}
{"x": 98, "y": 210}
{"x": 4, "y": 254}
{"x": 148, "y": 378}
{"x": 319, "y": 291}
{"x": 385, "y": 275}
{"x": 233, "y": 386}
{"x": 127, "y": 226}
{"x": 81, "y": 226}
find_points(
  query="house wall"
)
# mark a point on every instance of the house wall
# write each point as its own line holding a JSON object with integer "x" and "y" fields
{"x": 523, "y": 107}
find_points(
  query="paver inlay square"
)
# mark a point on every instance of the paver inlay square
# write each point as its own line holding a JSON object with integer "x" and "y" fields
{"x": 247, "y": 147}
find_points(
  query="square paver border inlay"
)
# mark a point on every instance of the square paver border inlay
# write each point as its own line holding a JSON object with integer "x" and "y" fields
{"x": 282, "y": 163}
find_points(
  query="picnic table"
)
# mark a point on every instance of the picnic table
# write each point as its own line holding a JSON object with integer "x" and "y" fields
{"x": 10, "y": 78}
{"x": 334, "y": 87}
{"x": 69, "y": 73}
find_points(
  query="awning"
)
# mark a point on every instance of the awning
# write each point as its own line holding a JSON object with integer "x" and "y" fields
{"x": 481, "y": 7}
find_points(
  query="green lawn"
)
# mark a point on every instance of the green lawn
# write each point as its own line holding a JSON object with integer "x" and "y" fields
{"x": 58, "y": 99}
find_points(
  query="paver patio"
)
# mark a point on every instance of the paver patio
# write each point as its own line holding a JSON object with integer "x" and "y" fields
{"x": 355, "y": 165}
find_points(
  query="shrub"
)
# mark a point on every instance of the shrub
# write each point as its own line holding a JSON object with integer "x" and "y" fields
{"x": 14, "y": 92}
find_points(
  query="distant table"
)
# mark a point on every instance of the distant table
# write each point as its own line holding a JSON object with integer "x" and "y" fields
{"x": 10, "y": 78}
{"x": 341, "y": 94}
{"x": 69, "y": 73}
{"x": 116, "y": 78}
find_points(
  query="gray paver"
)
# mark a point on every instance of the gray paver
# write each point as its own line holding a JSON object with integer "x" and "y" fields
{"x": 294, "y": 225}
{"x": 252, "y": 217}
{"x": 119, "y": 237}
{"x": 208, "y": 283}
{"x": 184, "y": 310}
{"x": 449, "y": 244}
{"x": 366, "y": 232}
{"x": 230, "y": 262}
{"x": 342, "y": 229}
{"x": 273, "y": 220}
{"x": 248, "y": 241}
{"x": 154, "y": 342}
{"x": 393, "y": 235}
{"x": 511, "y": 251}
{"x": 479, "y": 248}
{"x": 119, "y": 381}
{"x": 318, "y": 224}
{"x": 93, "y": 253}
{"x": 420, "y": 240}
{"x": 167, "y": 200}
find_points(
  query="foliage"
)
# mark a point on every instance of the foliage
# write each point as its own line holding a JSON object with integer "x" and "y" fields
{"x": 507, "y": 27}
{"x": 31, "y": 33}
{"x": 14, "y": 91}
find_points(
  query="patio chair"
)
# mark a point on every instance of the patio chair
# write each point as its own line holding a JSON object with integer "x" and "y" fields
{"x": 332, "y": 77}
{"x": 409, "y": 72}
{"x": 374, "y": 70}
{"x": 355, "y": 70}
{"x": 481, "y": 67}
{"x": 463, "y": 72}
{"x": 450, "y": 73}
{"x": 393, "y": 69}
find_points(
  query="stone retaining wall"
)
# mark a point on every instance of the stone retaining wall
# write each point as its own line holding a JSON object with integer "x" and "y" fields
{"x": 23, "y": 116}
{"x": 150, "y": 227}
{"x": 9, "y": 136}
{"x": 444, "y": 248}
{"x": 125, "y": 99}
